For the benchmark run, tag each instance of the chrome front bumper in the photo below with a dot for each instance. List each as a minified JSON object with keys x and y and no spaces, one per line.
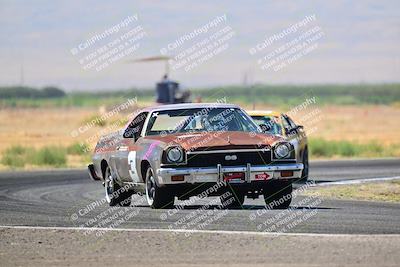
{"x":251,"y":173}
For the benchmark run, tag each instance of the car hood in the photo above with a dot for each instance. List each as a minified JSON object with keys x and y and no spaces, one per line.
{"x":194,"y":141}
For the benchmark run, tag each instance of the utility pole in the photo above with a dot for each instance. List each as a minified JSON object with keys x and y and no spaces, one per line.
{"x":22,"y":74}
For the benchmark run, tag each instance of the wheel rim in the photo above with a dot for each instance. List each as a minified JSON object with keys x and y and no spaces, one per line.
{"x":109,"y":185}
{"x":150,"y":187}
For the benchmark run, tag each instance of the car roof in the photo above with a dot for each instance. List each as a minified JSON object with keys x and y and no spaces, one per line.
{"x":189,"y":106}
{"x":263,"y":113}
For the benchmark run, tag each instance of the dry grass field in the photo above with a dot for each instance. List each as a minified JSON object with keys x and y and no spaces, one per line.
{"x":363,"y":123}
{"x":39,"y":127}
{"x":376,"y":191}
{"x":360,"y":124}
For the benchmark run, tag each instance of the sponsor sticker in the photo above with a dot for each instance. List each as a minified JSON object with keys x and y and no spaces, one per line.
{"x":262,"y":176}
{"x":234,"y":177}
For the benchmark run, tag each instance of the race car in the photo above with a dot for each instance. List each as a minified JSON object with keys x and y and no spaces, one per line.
{"x":183,"y":150}
{"x":281,"y":124}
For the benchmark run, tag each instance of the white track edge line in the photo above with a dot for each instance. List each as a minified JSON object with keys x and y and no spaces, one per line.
{"x":188,"y":231}
{"x":358,"y":181}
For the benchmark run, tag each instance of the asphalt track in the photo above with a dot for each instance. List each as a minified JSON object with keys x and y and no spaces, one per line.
{"x":68,"y":198}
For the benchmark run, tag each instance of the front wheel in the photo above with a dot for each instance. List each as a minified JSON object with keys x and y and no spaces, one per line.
{"x":278,"y":195}
{"x":304,"y":173}
{"x":157,"y":197}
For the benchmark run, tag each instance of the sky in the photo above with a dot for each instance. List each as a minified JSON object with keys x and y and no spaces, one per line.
{"x":355,"y":42}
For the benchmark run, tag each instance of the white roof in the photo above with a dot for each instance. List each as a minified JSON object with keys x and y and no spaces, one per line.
{"x":190,"y":106}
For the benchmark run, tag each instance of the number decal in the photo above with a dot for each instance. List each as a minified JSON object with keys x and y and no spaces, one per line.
{"x":132,"y":165}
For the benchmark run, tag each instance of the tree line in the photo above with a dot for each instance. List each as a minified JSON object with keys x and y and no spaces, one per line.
{"x":29,"y":92}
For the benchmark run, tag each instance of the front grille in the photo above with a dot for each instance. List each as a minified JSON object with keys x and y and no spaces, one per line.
{"x":230,"y":147}
{"x":208,"y":160}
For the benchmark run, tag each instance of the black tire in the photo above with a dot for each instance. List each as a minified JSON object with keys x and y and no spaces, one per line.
{"x":278,"y":195}
{"x":304,"y":173}
{"x":157,"y":197}
{"x":232,"y":199}
{"x":115,"y":195}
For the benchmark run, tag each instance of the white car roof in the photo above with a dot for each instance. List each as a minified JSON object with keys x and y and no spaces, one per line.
{"x":190,"y":106}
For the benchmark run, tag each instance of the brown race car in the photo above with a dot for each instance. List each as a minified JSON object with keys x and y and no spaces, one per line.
{"x":185,"y":149}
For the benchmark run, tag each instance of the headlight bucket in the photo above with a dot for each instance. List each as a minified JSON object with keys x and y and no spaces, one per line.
{"x":282,"y":150}
{"x":174,"y":154}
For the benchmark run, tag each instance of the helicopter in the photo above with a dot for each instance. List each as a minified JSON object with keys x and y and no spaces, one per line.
{"x":167,"y":91}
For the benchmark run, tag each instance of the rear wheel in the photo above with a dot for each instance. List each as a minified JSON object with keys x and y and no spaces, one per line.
{"x":157,"y":197}
{"x":115,"y":195}
{"x":232,"y":199}
{"x":278,"y":195}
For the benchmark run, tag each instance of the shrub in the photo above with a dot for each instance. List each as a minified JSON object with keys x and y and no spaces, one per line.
{"x":347,"y":149}
{"x":319,"y":148}
{"x":19,"y":156}
{"x":78,"y":149}
{"x":51,"y":155}
{"x":324,"y":148}
{"x":14,"y":156}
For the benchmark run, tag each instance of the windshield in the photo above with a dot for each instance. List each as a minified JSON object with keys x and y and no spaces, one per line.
{"x":200,"y":120}
{"x":272,"y":121}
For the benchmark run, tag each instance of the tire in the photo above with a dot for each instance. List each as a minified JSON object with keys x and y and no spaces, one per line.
{"x":278,"y":195}
{"x":115,"y":196}
{"x":157,"y":197}
{"x":232,"y":199}
{"x":304,"y":173}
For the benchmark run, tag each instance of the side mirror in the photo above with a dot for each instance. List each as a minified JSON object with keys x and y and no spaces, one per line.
{"x":294,"y":130}
{"x":265,"y":128}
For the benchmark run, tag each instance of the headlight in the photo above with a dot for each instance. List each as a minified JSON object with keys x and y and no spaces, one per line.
{"x":175,"y":154}
{"x":282,"y":151}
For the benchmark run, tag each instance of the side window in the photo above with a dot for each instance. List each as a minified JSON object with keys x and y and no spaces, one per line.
{"x":135,"y":127}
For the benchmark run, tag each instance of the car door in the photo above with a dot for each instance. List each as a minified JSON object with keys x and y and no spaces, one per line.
{"x":125,"y":159}
{"x":299,"y":132}
{"x":290,"y":127}
{"x":295,"y":134}
{"x":290,"y":133}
